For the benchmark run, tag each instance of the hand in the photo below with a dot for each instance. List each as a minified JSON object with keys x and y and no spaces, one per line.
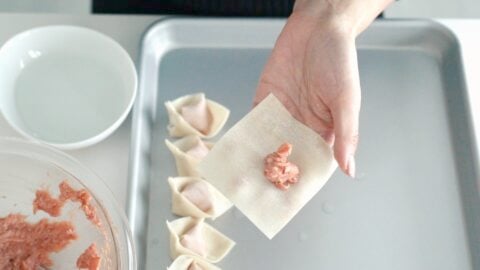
{"x":313,"y":71}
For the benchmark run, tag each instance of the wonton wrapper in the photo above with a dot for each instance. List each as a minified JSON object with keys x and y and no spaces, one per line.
{"x":183,"y":262}
{"x":179,"y":127}
{"x":182,"y":206}
{"x":194,"y":240}
{"x":217,"y":245}
{"x":235,"y":166}
{"x":186,"y":164}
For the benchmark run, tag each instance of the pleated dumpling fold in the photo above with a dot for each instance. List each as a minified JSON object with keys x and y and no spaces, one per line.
{"x":197,"y":115}
{"x":191,"y":236}
{"x":188,"y":152}
{"x":195,"y":197}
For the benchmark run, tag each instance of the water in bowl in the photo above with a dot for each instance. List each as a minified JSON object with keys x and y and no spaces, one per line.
{"x":61,"y":98}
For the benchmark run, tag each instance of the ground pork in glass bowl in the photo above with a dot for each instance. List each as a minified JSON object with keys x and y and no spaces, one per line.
{"x":57,"y":214}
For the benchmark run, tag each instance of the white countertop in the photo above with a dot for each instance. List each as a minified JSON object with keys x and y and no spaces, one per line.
{"x":109,"y":159}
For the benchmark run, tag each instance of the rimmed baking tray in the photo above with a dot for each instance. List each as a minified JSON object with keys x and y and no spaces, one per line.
{"x":415,"y":204}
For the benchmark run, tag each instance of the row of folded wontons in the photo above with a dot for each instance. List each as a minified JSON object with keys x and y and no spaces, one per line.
{"x":194,"y":244}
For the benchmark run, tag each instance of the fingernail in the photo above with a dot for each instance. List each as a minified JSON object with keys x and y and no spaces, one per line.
{"x":351,"y":167}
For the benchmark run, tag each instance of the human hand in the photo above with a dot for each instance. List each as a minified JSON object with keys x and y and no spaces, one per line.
{"x":313,"y":71}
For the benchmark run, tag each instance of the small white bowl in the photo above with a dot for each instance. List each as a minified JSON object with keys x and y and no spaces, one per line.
{"x":67,"y":86}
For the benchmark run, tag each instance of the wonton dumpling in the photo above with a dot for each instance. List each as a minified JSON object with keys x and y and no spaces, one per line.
{"x":194,"y":114}
{"x":195,"y":197}
{"x":200,"y":236}
{"x":197,"y":114}
{"x":185,"y":262}
{"x":198,"y":193}
{"x":188,"y":152}
{"x":194,"y":241}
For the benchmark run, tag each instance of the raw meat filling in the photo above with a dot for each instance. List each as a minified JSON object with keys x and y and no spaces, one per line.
{"x":26,"y":246}
{"x":45,"y":202}
{"x":89,"y":259}
{"x":279,"y":170}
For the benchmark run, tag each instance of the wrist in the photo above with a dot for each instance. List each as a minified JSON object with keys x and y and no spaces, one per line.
{"x":327,"y":16}
{"x":324,"y":19}
{"x":313,"y":8}
{"x":348,"y":16}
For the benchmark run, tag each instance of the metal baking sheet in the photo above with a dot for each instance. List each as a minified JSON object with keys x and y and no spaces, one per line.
{"x":415,"y":204}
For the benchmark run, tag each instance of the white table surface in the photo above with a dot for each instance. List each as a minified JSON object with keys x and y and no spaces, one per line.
{"x":109,"y":159}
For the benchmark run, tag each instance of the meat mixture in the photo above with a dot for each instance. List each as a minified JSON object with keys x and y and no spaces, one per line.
{"x":279,"y":170}
{"x":45,"y":202}
{"x":89,"y":259}
{"x":26,"y":246}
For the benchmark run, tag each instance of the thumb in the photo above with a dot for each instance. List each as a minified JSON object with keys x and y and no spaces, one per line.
{"x":345,"y":118}
{"x":345,"y":109}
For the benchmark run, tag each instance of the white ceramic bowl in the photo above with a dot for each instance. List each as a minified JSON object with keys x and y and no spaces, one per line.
{"x":66,"y":86}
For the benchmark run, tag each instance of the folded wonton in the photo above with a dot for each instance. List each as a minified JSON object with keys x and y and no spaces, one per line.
{"x":188,"y":152}
{"x":185,"y":262}
{"x":190,"y":236}
{"x":195,"y":197}
{"x":194,"y":114}
{"x":236,"y":165}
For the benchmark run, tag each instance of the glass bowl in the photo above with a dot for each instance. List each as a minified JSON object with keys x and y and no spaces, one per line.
{"x":27,"y":167}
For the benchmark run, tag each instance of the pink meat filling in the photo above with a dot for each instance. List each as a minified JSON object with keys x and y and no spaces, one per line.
{"x":27,"y":246}
{"x":198,"y":194}
{"x":279,"y":170}
{"x":45,"y":202}
{"x":197,"y":114}
{"x":194,"y":241}
{"x":89,"y":259}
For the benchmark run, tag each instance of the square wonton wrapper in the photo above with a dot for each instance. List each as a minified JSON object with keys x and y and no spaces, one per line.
{"x":235,"y":165}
